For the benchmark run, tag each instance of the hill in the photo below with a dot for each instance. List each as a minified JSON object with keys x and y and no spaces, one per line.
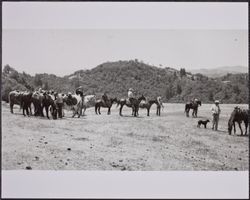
{"x":116,"y":77}
{"x":220,"y":71}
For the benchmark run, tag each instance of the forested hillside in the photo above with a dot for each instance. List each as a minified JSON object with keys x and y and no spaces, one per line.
{"x":116,"y":77}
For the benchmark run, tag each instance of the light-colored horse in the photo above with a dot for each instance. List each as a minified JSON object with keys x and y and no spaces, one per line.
{"x":73,"y":103}
{"x":89,"y":101}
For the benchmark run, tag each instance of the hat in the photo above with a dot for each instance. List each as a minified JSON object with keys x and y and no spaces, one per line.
{"x":130,"y":89}
{"x":195,"y":99}
{"x":216,"y":101}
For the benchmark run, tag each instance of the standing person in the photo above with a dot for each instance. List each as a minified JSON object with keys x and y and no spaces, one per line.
{"x":59,"y":104}
{"x":216,"y":113}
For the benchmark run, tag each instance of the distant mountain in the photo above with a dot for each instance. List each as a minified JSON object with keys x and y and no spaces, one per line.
{"x":116,"y":77}
{"x":220,"y":71}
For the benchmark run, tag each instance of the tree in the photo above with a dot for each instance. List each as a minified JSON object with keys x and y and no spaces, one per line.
{"x":178,"y":89}
{"x":236,"y":89}
{"x":210,"y":96}
{"x":183,"y":72}
{"x":46,"y":86}
{"x":38,"y":80}
{"x":169,"y":91}
{"x":7,"y":69}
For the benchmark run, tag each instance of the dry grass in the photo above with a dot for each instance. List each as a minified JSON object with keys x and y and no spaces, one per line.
{"x":110,"y":142}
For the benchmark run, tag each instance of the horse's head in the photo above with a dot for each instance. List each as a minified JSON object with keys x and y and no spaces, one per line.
{"x":114,"y":100}
{"x":142,"y":97}
{"x":199,"y":102}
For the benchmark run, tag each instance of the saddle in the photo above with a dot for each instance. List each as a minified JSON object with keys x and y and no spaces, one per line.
{"x":106,"y":103}
{"x":71,"y":101}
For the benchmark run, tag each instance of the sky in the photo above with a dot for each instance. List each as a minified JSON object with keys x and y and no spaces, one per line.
{"x":61,"y":38}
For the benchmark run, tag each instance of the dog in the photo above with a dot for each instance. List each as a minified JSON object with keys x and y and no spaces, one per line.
{"x":204,"y":122}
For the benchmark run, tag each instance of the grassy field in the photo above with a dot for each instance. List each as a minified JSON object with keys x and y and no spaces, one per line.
{"x":110,"y":142}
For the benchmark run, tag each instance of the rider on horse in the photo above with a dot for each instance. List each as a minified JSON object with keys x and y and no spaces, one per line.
{"x":105,"y":98}
{"x":79,"y":91}
{"x":131,"y":95}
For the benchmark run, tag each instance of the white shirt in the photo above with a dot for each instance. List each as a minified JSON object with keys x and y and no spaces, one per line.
{"x":215,"y":109}
{"x":130,"y":94}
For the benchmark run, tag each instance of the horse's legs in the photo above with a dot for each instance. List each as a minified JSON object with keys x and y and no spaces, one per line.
{"x":47,"y":111}
{"x":246,"y":126}
{"x":80,"y":112}
{"x":30,"y":109}
{"x":41,"y":110}
{"x":121,"y":110}
{"x":96,"y":109}
{"x":187,"y":112}
{"x":99,"y":110}
{"x":11,"y":107}
{"x":234,"y":128}
{"x":136,"y":111}
{"x":148,"y":111}
{"x":24,"y":111}
{"x":27,"y":110}
{"x":239,"y":123}
{"x":158,"y":109}
{"x":84,"y":109}
{"x":74,"y":113}
{"x":109,"y":111}
{"x":194,"y":113}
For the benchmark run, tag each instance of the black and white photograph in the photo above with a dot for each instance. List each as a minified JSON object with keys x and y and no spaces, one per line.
{"x":148,"y":93}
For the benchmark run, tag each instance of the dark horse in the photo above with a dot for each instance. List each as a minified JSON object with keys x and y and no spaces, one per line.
{"x":193,"y":105}
{"x":238,"y":115}
{"x":26,"y":102}
{"x":49,"y":102}
{"x":147,"y":105}
{"x":20,"y":98}
{"x":134,"y":104}
{"x":108,"y":104}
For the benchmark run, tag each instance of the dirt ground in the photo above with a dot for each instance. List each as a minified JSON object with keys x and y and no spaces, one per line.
{"x":111,"y":142}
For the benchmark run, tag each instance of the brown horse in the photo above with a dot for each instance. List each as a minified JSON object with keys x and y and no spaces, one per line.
{"x":20,"y":98}
{"x":238,"y":115}
{"x":108,"y":104}
{"x":26,"y":103}
{"x":147,"y":104}
{"x":193,"y":105}
{"x":134,"y":104}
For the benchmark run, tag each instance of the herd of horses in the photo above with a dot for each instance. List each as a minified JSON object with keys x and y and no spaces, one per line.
{"x":55,"y":104}
{"x":51,"y":103}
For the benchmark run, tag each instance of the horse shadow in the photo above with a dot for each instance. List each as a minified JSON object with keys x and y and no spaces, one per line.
{"x":130,"y":116}
{"x":221,"y":131}
{"x":247,"y":135}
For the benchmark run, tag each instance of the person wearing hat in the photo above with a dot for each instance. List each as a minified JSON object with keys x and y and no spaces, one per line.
{"x":59,"y":104}
{"x":79,"y":91}
{"x":131,"y":94}
{"x":105,"y":97}
{"x":216,"y":113}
